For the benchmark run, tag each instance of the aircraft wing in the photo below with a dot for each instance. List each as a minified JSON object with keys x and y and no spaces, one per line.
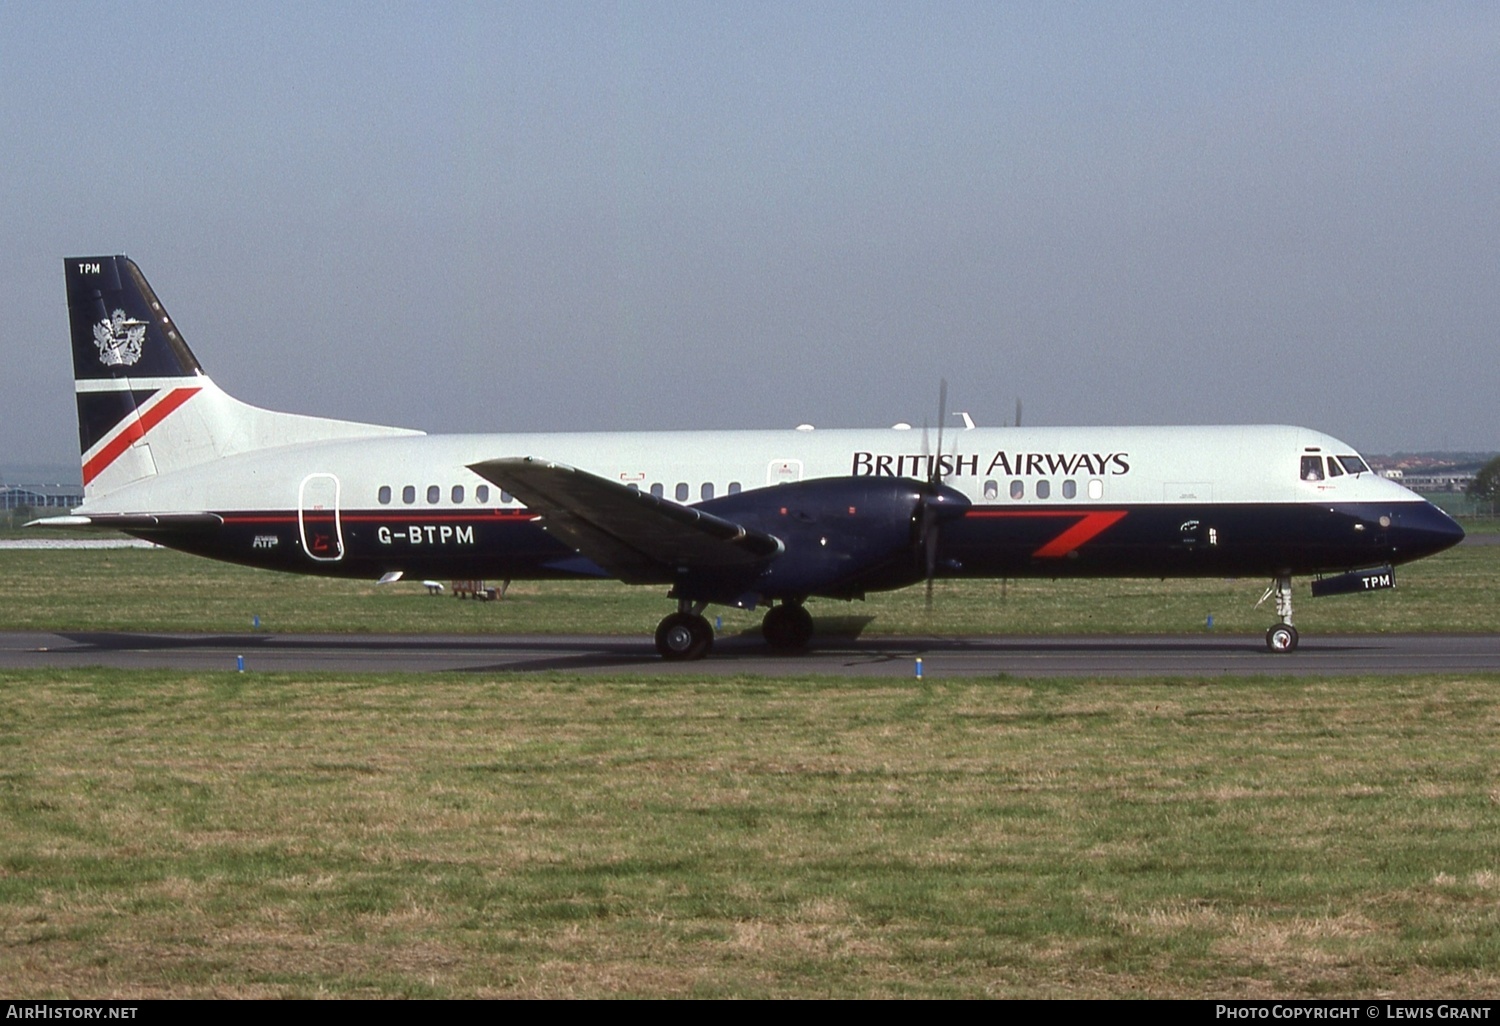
{"x":633,"y":535}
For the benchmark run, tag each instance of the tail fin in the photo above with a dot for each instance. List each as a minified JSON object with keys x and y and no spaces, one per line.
{"x":120,"y":328}
{"x":145,"y":406}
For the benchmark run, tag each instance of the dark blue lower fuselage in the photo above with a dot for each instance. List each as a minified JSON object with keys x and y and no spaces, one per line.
{"x":1071,"y":540}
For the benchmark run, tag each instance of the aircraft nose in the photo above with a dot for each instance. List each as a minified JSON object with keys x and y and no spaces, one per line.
{"x":1422,"y":530}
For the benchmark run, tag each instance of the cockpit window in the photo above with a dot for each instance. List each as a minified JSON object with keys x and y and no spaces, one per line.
{"x":1312,"y":468}
{"x":1353,"y":464}
{"x":1334,"y":470}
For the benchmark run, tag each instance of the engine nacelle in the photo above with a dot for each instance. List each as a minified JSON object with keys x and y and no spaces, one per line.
{"x":842,"y":536}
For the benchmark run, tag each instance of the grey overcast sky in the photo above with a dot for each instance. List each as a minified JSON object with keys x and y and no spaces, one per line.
{"x":557,"y":215}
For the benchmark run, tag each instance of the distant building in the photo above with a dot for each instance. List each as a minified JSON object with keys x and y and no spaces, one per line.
{"x":40,"y":496}
{"x":1449,"y":481}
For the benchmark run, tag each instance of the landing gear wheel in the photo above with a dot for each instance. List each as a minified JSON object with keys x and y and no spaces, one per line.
{"x":684,"y":636}
{"x":787,"y":628}
{"x":1282,"y":638}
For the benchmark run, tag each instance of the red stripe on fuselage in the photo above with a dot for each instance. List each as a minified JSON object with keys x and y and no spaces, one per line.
{"x":135,"y":430}
{"x":1090,"y":525}
{"x":397,"y":517}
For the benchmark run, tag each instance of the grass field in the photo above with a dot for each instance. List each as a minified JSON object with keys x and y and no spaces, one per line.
{"x":248,"y":836}
{"x":451,"y":836}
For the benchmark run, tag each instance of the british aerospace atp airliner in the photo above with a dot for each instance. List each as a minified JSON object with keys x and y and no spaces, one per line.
{"x":735,"y":518}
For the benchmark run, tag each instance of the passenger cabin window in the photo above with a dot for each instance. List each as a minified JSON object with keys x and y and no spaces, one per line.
{"x":707,"y":491}
{"x":385,"y":495}
{"x":458,"y":493}
{"x":506,"y":496}
{"x":681,"y":491}
{"x":1018,"y":490}
{"x":992,"y":490}
{"x":734,"y":488}
{"x":482,"y":494}
{"x":1044,"y":489}
{"x":1096,"y":489}
{"x":434,"y":495}
{"x":1070,"y":489}
{"x":1312,"y":468}
{"x":409,"y":494}
{"x":657,"y":491}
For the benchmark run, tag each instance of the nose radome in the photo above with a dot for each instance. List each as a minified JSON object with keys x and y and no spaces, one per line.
{"x":1422,"y":531}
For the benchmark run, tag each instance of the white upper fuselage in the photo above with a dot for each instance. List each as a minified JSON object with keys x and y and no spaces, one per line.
{"x":1117,"y":465}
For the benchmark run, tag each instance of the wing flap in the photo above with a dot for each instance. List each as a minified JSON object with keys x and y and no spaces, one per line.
{"x":635,"y":536}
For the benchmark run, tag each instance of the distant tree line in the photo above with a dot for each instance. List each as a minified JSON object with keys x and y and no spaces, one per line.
{"x":1485,"y":488}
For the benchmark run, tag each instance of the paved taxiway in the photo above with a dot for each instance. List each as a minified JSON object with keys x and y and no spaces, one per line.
{"x":1093,"y":656}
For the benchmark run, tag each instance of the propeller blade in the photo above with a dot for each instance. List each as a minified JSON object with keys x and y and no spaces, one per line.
{"x":932,"y":544}
{"x":937,"y":501}
{"x":935,"y":475}
{"x":929,"y":520}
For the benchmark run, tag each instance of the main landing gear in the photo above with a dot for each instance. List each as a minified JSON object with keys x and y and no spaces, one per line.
{"x":787,"y":627}
{"x":1282,"y":636}
{"x":685,"y":634}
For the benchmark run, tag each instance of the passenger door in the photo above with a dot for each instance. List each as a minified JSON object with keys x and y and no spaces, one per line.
{"x":318,"y":521}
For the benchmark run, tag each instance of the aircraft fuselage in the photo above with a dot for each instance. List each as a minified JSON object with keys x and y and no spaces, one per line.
{"x":1133,"y":502}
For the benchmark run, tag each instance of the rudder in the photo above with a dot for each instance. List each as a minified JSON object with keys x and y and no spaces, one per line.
{"x":120,"y":328}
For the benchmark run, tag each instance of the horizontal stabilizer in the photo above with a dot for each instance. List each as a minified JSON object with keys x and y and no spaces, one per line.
{"x":635,"y":536}
{"x":175,"y":522}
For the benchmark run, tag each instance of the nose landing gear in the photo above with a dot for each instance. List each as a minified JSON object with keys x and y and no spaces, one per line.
{"x":1281,"y":637}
